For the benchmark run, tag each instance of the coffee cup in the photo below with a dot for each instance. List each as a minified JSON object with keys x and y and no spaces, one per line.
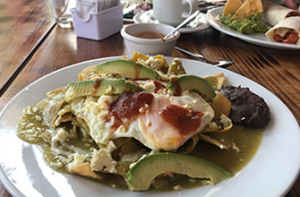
{"x":173,"y":12}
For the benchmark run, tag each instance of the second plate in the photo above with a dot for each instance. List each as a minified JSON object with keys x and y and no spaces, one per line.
{"x":198,"y":24}
{"x":257,"y":38}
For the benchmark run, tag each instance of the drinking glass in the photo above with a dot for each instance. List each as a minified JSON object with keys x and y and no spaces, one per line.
{"x":61,"y":12}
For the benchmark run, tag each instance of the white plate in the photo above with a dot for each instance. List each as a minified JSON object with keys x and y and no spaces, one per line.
{"x":200,"y":21}
{"x":260,"y":39}
{"x":128,"y":20}
{"x":271,"y":172}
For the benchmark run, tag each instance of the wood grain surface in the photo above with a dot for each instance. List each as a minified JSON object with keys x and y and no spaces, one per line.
{"x":23,"y":24}
{"x":276,"y":70}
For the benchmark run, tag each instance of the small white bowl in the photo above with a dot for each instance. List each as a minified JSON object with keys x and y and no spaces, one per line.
{"x":149,"y":46}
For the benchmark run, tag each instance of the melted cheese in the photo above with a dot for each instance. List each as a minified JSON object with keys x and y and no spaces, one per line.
{"x":282,"y":31}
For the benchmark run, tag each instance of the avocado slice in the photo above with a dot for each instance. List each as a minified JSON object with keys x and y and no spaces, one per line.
{"x":128,"y":69}
{"x":145,"y":170}
{"x":184,"y":82}
{"x":99,"y":87}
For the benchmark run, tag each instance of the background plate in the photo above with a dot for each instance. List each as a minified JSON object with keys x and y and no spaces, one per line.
{"x":271,"y":172}
{"x":199,"y":23}
{"x":260,"y":39}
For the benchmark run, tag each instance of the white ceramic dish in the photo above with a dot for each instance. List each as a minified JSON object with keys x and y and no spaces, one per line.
{"x":149,"y":46}
{"x":129,"y":6}
{"x":271,"y":172}
{"x":200,"y":23}
{"x":130,"y":20}
{"x":257,"y":38}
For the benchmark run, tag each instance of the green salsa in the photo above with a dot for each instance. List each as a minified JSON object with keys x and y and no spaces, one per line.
{"x":247,"y":26}
{"x":31,"y":129}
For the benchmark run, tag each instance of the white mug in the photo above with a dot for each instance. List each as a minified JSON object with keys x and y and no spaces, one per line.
{"x":173,"y":12}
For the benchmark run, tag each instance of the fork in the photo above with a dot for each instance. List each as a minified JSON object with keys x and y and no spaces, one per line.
{"x":205,"y":5}
{"x":222,"y":63}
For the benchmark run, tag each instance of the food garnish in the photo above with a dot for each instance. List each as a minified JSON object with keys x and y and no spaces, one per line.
{"x":249,"y":8}
{"x":184,"y":82}
{"x":146,"y":169}
{"x":141,"y":114}
{"x":232,"y":6}
{"x":99,"y":87}
{"x":127,"y":69}
{"x":245,"y":19}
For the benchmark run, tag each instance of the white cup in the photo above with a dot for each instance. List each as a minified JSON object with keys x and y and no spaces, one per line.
{"x":173,"y":12}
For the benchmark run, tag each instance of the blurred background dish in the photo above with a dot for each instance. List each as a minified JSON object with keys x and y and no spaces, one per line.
{"x":173,"y":12}
{"x":259,"y":39}
{"x":133,"y":7}
{"x":198,"y":24}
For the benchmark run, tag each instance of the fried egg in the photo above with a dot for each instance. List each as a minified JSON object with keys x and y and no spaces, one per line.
{"x":166,"y":124}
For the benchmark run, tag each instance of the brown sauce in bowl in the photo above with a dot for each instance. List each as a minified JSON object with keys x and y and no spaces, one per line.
{"x":149,"y":35}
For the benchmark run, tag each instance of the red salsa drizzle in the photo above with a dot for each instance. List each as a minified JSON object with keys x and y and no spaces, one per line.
{"x":177,"y":88}
{"x":185,"y":120}
{"x":158,"y":85}
{"x":96,"y":85}
{"x":133,"y":81}
{"x":128,"y":106}
{"x":137,"y":69}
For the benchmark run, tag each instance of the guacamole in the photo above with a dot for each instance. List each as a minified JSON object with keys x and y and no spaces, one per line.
{"x":247,"y":26}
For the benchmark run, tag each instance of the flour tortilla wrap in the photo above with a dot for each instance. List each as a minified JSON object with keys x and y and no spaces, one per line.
{"x":274,"y":13}
{"x":291,"y":23}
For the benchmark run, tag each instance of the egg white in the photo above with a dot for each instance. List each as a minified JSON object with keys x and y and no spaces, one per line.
{"x":148,"y":127}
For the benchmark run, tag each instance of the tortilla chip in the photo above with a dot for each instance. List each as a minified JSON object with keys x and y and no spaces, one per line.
{"x":57,"y":91}
{"x":232,"y":6}
{"x":249,"y":8}
{"x":85,"y":170}
{"x":137,"y":56}
{"x":221,"y":79}
{"x":86,"y":73}
{"x":216,"y":80}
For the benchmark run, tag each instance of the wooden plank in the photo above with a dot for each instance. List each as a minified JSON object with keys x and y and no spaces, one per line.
{"x":62,"y":48}
{"x":22,"y":25}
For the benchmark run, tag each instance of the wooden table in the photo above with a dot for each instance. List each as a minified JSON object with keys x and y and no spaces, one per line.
{"x":33,"y":46}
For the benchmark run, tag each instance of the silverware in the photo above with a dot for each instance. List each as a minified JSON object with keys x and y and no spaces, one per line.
{"x":207,"y":8}
{"x":205,"y":5}
{"x":197,"y":21}
{"x":188,"y":19}
{"x":223,"y":63}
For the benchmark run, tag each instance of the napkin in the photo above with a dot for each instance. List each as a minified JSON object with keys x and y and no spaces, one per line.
{"x":86,"y":7}
{"x":105,"y":4}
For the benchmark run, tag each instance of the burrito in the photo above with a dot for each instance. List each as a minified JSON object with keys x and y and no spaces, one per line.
{"x":274,"y":13}
{"x":286,"y":31}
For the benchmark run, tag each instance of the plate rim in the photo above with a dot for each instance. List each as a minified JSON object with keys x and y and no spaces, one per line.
{"x":11,"y":190}
{"x":246,"y":38}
